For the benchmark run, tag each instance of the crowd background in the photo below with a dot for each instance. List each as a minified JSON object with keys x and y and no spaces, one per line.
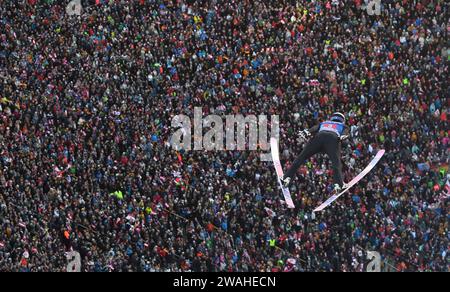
{"x":86,"y":104}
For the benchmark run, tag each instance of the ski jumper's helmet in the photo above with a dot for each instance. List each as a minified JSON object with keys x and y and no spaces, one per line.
{"x":338,"y":117}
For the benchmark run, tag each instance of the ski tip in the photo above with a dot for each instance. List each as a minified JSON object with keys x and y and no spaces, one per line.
{"x":289,"y":204}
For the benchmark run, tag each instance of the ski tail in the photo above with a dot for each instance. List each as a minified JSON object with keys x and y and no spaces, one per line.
{"x":279,"y":171}
{"x":354,"y":181}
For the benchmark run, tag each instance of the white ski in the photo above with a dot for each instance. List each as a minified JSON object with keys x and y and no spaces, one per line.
{"x":352,"y":182}
{"x":279,"y":170}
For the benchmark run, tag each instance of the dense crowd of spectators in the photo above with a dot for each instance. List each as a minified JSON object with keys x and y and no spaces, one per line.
{"x":86,"y":104}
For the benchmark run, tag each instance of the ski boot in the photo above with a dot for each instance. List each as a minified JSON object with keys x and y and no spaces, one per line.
{"x":338,"y":188}
{"x":286,"y":181}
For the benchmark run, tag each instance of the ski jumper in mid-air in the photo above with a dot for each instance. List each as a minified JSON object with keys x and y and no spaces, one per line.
{"x":327,"y":139}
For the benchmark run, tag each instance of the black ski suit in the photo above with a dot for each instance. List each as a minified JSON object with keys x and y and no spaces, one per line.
{"x":323,"y":142}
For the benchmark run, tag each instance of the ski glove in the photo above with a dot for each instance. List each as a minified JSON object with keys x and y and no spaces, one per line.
{"x":344,"y":137}
{"x":304,"y":135}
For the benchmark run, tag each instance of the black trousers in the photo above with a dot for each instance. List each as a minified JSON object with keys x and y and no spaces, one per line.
{"x":323,"y":142}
